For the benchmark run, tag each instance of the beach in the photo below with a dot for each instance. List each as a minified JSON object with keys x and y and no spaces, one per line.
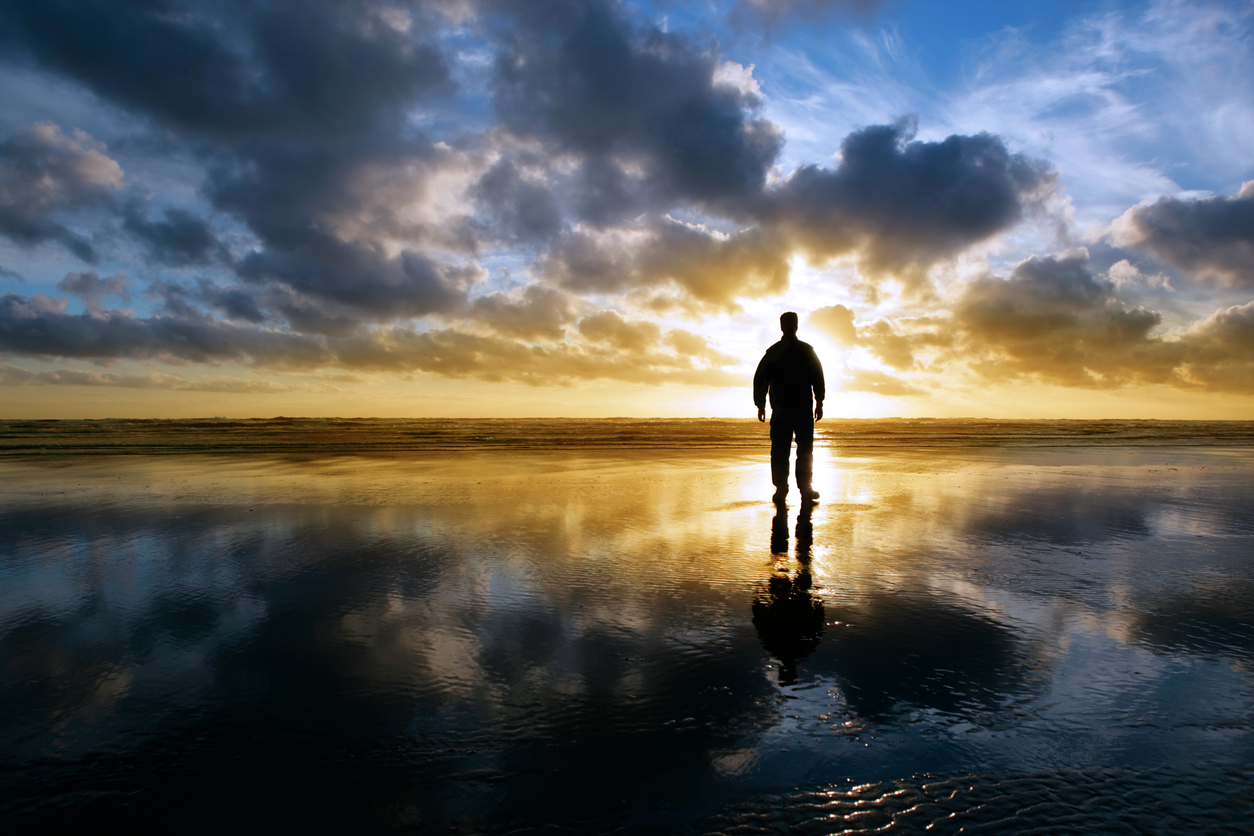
{"x":523,"y":630}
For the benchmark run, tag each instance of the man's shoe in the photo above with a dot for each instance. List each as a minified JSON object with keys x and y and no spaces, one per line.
{"x":780,"y":495}
{"x":809,"y":494}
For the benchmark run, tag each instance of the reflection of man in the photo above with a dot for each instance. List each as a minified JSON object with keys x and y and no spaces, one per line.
{"x":788,"y":616}
{"x":790,"y":371}
{"x":789,"y":620}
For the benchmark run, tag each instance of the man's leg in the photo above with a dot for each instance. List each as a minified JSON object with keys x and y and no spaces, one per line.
{"x":805,"y":454}
{"x":781,"y":444}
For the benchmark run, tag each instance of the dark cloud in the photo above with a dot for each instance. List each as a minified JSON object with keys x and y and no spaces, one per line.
{"x":233,"y":301}
{"x":11,"y":375}
{"x":180,"y":239}
{"x":1211,"y":238}
{"x":301,"y":109}
{"x":39,"y":327}
{"x":363,"y":275}
{"x":334,"y":225}
{"x":900,"y":205}
{"x":45,"y":173}
{"x":235,"y":71}
{"x":90,"y":287}
{"x":523,"y":209}
{"x":258,"y":304}
{"x":644,"y":110}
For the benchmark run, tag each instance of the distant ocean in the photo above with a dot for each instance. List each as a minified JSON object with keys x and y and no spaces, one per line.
{"x":379,"y":436}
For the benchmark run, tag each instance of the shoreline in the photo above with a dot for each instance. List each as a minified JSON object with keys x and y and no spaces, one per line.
{"x":318,"y":438}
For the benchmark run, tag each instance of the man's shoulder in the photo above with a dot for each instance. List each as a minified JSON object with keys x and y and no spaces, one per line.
{"x":805,"y":348}
{"x":774,"y":352}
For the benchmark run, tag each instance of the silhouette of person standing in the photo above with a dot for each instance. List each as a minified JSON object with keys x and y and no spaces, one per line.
{"x":790,"y":371}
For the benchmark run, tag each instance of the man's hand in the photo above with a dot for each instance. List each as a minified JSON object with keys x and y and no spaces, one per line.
{"x":818,"y":411}
{"x":762,"y":414}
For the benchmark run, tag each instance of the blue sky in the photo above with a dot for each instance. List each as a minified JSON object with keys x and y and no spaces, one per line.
{"x":484,"y":207}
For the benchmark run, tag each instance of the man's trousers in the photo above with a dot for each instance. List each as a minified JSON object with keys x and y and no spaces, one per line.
{"x":785,"y":425}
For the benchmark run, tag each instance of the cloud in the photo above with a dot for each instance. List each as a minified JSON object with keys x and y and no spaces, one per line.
{"x":1054,"y":320}
{"x":1210,"y":238}
{"x":44,"y":173}
{"x":299,"y":110}
{"x":837,"y":322}
{"x":878,"y":383}
{"x":534,"y":312}
{"x":627,"y":161}
{"x":91,"y":287}
{"x":11,"y":375}
{"x":613,"y":349}
{"x":1221,"y":350}
{"x":887,"y":345}
{"x":234,"y":72}
{"x":892,"y":342}
{"x":39,"y":327}
{"x":900,"y":205}
{"x":647,"y":113}
{"x":453,"y":353}
{"x":710,"y":269}
{"x":182,"y":238}
{"x":363,"y":275}
{"x":610,"y":329}
{"x":523,"y":208}
{"x":506,"y":190}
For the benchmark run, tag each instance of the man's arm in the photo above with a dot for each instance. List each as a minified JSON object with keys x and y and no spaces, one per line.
{"x":761,"y":383}
{"x":820,"y":388}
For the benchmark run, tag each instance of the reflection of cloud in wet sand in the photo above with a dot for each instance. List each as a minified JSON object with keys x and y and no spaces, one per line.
{"x":1065,"y":514}
{"x":1203,"y":622}
{"x":407,"y":649}
{"x":481,"y":641}
{"x":895,"y":650}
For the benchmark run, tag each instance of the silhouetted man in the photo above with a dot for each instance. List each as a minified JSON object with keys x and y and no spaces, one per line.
{"x":790,"y":371}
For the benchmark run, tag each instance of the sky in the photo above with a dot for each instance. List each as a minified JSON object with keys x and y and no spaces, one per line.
{"x":589,"y":208}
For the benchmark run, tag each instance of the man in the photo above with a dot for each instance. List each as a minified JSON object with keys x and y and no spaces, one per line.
{"x":790,"y":371}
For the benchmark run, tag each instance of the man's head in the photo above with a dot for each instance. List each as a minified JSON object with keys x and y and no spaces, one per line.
{"x":788,"y":323}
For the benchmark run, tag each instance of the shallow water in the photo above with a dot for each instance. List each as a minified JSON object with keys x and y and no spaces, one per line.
{"x":1002,"y":641}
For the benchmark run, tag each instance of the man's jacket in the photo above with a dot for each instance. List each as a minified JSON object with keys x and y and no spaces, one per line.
{"x":789,"y":371}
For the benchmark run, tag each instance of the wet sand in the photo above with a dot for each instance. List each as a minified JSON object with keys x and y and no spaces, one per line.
{"x":631,"y":641}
